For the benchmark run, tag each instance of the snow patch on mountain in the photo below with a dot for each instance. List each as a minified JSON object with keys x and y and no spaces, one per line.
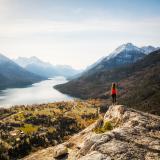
{"x":131,"y":47}
{"x":125,"y":47}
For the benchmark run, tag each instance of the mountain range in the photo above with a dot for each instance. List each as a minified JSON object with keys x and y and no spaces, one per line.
{"x":25,"y":71}
{"x":124,"y":54}
{"x":136,"y":71}
{"x":45,"y":69}
{"x":12,"y":75}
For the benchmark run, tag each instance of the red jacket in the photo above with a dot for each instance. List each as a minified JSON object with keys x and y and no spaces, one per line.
{"x":113,"y":91}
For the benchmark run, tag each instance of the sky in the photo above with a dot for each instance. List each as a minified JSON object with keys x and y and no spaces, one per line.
{"x":76,"y":32}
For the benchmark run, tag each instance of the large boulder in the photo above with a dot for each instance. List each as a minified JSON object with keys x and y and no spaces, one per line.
{"x":60,"y":151}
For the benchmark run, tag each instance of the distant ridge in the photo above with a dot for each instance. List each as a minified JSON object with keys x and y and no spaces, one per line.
{"x":45,"y":69}
{"x":12,"y":75}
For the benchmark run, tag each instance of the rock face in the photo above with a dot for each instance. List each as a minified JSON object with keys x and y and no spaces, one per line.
{"x":135,"y":136}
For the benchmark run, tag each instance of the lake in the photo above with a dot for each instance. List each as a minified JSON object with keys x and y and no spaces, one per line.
{"x":42,"y":92}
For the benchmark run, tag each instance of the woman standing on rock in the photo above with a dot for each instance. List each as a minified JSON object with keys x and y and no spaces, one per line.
{"x":113,"y":93}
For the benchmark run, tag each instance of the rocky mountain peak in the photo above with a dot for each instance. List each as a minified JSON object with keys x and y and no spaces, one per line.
{"x":124,"y":48}
{"x":128,"y":46}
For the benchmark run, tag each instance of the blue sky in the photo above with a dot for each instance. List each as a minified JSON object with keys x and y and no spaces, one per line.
{"x":76,"y":32}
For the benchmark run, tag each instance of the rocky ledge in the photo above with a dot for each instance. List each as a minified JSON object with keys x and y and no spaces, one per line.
{"x":123,"y":134}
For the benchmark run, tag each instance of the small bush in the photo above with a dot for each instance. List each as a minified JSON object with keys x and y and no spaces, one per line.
{"x":106,"y":127}
{"x":29,"y":128}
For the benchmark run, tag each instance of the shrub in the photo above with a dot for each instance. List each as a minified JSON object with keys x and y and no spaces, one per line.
{"x":106,"y":127}
{"x":28,"y":128}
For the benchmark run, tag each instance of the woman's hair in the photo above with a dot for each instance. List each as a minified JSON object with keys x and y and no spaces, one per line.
{"x":113,"y":85}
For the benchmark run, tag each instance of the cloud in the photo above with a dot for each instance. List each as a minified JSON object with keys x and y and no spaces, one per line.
{"x":68,"y":31}
{"x":31,"y":26}
{"x":78,"y":10}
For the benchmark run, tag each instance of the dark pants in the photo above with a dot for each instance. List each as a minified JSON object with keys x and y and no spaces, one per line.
{"x":113,"y":98}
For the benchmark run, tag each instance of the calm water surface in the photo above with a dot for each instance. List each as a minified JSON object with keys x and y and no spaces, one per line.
{"x":42,"y":92}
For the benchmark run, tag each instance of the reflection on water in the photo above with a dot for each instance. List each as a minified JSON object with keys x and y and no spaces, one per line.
{"x":42,"y":92}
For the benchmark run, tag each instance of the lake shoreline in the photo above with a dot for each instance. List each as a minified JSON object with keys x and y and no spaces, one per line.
{"x":35,"y":94}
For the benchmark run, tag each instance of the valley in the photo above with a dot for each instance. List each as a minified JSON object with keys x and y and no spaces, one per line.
{"x":79,"y":79}
{"x":26,"y":129}
{"x":46,"y":112}
{"x":24,"y":72}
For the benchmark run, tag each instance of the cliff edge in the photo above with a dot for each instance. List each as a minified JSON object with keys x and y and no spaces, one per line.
{"x":123,"y":134}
